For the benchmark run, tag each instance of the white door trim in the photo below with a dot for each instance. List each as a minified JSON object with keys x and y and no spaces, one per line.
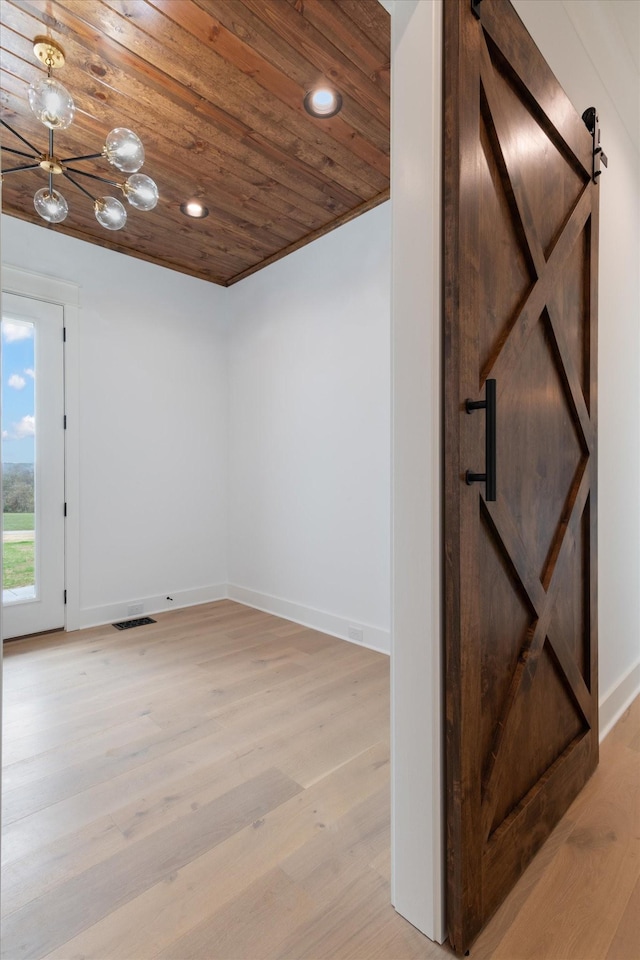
{"x":27,"y":284}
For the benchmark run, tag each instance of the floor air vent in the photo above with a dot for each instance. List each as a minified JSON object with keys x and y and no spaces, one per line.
{"x":127,"y":624}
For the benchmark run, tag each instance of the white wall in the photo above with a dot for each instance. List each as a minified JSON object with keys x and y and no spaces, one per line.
{"x":309,"y":459}
{"x":305,"y":373}
{"x":585,"y":47}
{"x":152,"y":401}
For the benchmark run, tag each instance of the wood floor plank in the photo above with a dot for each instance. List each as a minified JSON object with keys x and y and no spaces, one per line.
{"x":193,"y":747}
{"x":22,"y":772}
{"x":343,"y":925}
{"x":600,"y":855}
{"x":94,"y":704}
{"x":334,"y":741}
{"x":335,"y":857}
{"x":101,"y":768}
{"x":250,"y":925}
{"x":73,"y":906}
{"x":32,"y":877}
{"x":186,"y":791}
{"x":625,"y":944}
{"x":216,"y":785}
{"x":307,"y":697}
{"x":153,"y":921}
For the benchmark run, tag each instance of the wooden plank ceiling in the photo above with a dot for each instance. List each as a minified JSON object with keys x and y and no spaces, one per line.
{"x":214,"y":89}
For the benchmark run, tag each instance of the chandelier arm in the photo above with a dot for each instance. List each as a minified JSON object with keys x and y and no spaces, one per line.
{"x":94,"y":176}
{"x":20,"y":137}
{"x":88,"y":156}
{"x":25,"y":166}
{"x":21,"y":153}
{"x":79,"y":186}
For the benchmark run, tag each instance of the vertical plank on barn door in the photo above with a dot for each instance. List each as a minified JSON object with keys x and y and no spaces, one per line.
{"x":520,"y":275}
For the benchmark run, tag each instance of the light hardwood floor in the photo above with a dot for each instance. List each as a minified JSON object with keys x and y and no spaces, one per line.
{"x":216,"y":785}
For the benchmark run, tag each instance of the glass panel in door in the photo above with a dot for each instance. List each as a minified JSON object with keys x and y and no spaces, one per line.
{"x":18,"y":456}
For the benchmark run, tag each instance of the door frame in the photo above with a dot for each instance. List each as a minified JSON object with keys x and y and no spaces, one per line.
{"x":65,"y":294}
{"x":417,"y":756}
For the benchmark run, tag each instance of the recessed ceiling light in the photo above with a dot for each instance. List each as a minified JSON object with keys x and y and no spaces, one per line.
{"x":195,"y":209}
{"x":323,"y":102}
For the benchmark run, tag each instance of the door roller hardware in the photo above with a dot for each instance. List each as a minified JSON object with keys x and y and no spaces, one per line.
{"x":590,"y":119}
{"x":489,"y":406}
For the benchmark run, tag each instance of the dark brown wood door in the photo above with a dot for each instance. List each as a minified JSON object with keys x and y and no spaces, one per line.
{"x":521,"y":227}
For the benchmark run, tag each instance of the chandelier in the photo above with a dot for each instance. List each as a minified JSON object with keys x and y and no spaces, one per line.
{"x":53,"y":105}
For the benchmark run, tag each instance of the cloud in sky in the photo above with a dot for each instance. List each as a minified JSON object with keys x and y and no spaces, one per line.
{"x":30,"y":373}
{"x":24,"y":428}
{"x":13,"y":330}
{"x":16,"y":381}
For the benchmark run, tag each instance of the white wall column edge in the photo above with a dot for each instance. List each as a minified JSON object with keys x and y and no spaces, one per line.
{"x":416,"y":647}
{"x":53,"y":290}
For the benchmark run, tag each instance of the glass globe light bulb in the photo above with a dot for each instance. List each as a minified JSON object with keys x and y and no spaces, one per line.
{"x":52,"y":103}
{"x":51,"y":206}
{"x":141,"y":191}
{"x":124,"y":150}
{"x":110,"y":213}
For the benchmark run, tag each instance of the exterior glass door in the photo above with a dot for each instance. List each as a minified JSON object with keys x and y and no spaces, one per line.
{"x":33,"y":465}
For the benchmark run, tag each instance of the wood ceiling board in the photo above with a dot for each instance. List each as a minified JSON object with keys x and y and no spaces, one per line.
{"x":349,"y":201}
{"x":221,"y":83}
{"x":214,"y":89}
{"x":307,"y":209}
{"x":285,"y":82}
{"x":129,"y":49}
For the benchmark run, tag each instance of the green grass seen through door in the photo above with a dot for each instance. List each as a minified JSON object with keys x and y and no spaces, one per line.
{"x":17,"y":521}
{"x":17,"y":564}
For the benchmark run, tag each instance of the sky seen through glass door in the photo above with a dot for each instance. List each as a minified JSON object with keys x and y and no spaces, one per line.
{"x":18,"y":392}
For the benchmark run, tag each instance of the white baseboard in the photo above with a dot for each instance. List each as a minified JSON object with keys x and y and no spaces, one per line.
{"x":372,"y":637}
{"x":96,"y":616}
{"x":618,"y":698}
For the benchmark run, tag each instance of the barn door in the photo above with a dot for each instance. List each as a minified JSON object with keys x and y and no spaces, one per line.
{"x":521,"y":227}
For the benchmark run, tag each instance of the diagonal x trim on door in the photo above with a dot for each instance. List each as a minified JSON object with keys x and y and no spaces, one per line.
{"x":542,"y":603}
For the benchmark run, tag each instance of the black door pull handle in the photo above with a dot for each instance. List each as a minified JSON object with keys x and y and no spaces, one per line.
{"x":489,"y":405}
